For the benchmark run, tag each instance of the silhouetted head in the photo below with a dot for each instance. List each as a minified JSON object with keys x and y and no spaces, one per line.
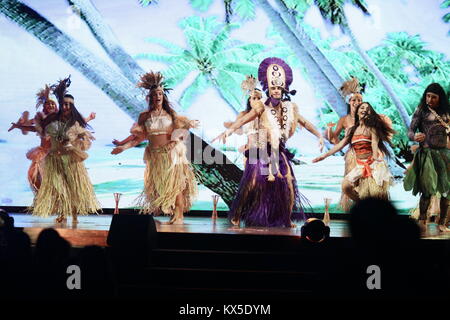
{"x":315,"y":230}
{"x":51,"y":248}
{"x":372,"y":221}
{"x":6,"y":221}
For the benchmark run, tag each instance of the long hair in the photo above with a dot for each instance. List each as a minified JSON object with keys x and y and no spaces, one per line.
{"x":374,"y":121}
{"x":60,"y":91}
{"x":165,"y":105}
{"x":249,"y":106}
{"x":436,"y":88}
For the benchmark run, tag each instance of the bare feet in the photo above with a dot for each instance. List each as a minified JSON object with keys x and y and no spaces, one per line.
{"x":443,"y":228}
{"x":235,"y":222}
{"x":61,"y":219}
{"x":176,"y":219}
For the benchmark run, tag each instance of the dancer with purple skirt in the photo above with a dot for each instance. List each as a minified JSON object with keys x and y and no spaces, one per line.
{"x":268,"y":190}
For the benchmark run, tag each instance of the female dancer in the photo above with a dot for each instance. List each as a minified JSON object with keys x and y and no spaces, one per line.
{"x":66,"y":188}
{"x":250,"y":129}
{"x":169,"y":182}
{"x":351,"y":91}
{"x":430,"y":171}
{"x":370,"y":177}
{"x":268,"y":189}
{"x":37,"y":154}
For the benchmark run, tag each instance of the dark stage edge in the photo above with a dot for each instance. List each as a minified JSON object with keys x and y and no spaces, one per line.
{"x":93,"y":229}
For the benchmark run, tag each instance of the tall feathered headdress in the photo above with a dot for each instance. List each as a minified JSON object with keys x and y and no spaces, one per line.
{"x":351,"y":87}
{"x":274,"y":72}
{"x":249,"y":84}
{"x":60,"y":89}
{"x":153,"y":80}
{"x":43,"y":96}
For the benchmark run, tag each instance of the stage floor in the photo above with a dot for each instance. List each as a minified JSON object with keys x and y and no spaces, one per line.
{"x":93,"y":229}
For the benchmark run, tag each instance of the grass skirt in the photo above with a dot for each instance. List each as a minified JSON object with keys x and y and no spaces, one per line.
{"x":262,"y":202}
{"x":65,"y":189}
{"x":168,"y":173}
{"x":376,"y":185}
{"x":349,"y":158}
{"x":429,"y":173}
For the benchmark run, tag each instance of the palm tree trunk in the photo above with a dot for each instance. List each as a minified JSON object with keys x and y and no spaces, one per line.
{"x":221,"y":179}
{"x":379,"y":75}
{"x":309,"y":45}
{"x":221,"y":176}
{"x":114,"y":84}
{"x":106,"y":37}
{"x":318,"y":77}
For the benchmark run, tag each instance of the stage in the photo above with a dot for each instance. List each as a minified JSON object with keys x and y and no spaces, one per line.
{"x":93,"y":229}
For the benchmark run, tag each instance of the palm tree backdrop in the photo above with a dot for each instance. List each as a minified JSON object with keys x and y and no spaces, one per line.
{"x":217,"y":60}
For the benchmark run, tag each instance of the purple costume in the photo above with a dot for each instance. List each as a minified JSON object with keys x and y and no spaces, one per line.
{"x":268,"y":191}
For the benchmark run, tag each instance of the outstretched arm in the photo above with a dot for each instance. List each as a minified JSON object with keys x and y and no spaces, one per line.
{"x":336,"y":148}
{"x":311,"y":128}
{"x":136,"y":137}
{"x":228,"y":124}
{"x":250,"y":116}
{"x":334,"y":135}
{"x":90,"y":117}
{"x":24,"y":128}
{"x":133,"y":141}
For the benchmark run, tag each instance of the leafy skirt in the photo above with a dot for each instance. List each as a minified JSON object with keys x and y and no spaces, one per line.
{"x":350,"y":163}
{"x":168,"y":173}
{"x":370,"y":178}
{"x":267,"y":191}
{"x":66,"y":188}
{"x":429,"y":173}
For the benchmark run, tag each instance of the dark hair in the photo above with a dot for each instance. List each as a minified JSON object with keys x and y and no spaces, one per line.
{"x":436,"y":88}
{"x":75,"y":116}
{"x":374,"y":121}
{"x":285,"y":95}
{"x":249,"y":107}
{"x":165,"y":105}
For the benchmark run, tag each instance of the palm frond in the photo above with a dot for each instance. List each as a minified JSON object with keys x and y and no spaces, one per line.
{"x":146,"y":3}
{"x":201,"y":5}
{"x":242,"y":68}
{"x":198,"y":86}
{"x":222,"y":37}
{"x":178,"y":71}
{"x":245,"y":9}
{"x":166,"y":44}
{"x":156,"y":57}
{"x":229,"y":86}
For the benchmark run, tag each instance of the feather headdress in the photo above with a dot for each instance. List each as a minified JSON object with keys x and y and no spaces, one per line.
{"x":43,"y":96}
{"x":60,"y":89}
{"x":351,"y":87}
{"x":249,"y":84}
{"x":275,"y":72}
{"x":152,"y":80}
